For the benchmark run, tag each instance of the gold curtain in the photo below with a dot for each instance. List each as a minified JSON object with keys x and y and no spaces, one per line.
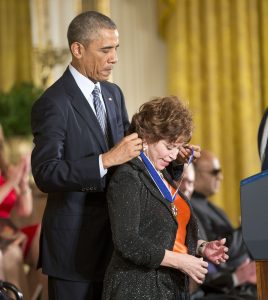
{"x":103,"y":6}
{"x":217,"y":60}
{"x":15,"y":41}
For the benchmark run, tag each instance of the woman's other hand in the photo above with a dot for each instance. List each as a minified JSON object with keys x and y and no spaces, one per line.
{"x":215,"y":251}
{"x":195,"y":267}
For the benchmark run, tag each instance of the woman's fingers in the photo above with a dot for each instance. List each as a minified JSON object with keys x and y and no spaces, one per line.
{"x":200,"y":275}
{"x":200,"y":271}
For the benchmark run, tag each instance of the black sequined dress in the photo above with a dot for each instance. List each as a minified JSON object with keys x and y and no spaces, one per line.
{"x":143,"y":226}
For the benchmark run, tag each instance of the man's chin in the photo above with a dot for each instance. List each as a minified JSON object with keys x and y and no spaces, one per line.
{"x":104,"y":78}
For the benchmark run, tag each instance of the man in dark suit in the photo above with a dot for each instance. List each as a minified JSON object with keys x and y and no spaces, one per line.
{"x":262,"y":141}
{"x":237,"y":277}
{"x":79,"y":125}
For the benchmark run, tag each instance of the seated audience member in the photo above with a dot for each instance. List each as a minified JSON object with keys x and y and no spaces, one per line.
{"x":262,"y":140}
{"x":18,"y":246}
{"x":3,"y":159}
{"x":222,"y":281}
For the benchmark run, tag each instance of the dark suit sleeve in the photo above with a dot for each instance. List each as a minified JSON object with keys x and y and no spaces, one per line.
{"x":264,"y":165}
{"x":124,"y":114}
{"x":124,"y":195}
{"x":51,"y":170}
{"x":219,"y":282}
{"x":261,"y":128}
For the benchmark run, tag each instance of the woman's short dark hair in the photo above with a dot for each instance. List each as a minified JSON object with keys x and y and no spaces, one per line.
{"x":163,"y":119}
{"x":84,"y":27}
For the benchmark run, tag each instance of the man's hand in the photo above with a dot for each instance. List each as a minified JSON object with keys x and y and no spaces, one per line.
{"x":246,"y":273}
{"x":185,"y":153}
{"x":128,"y":148}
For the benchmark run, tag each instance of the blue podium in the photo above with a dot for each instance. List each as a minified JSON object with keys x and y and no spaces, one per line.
{"x":254,"y":220}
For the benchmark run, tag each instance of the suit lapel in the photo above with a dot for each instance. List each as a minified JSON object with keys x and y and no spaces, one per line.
{"x":81,"y":105}
{"x":111,"y":114}
{"x":154,"y":190}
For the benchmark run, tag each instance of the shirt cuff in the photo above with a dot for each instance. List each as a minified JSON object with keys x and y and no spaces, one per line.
{"x":235,"y":280}
{"x":102,"y":170}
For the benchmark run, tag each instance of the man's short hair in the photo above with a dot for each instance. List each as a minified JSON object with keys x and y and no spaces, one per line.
{"x":84,"y":27}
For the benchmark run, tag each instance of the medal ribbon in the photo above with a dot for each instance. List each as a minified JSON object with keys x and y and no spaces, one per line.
{"x":164,"y":190}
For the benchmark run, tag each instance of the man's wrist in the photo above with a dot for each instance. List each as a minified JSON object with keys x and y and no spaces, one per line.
{"x":105,"y":161}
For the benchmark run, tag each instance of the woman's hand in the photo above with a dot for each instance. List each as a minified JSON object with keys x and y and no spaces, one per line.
{"x":215,"y":251}
{"x":26,"y":166}
{"x":24,"y":203}
{"x":195,"y":267}
{"x":14,"y":174}
{"x":186,"y":151}
{"x":20,"y":240}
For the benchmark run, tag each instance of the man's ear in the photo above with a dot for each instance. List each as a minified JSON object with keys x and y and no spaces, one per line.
{"x":77,"y":50}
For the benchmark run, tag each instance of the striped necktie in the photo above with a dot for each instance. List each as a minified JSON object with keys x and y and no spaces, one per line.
{"x":100,"y":112}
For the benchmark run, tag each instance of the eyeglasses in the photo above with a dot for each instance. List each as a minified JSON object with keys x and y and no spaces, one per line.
{"x":213,"y":172}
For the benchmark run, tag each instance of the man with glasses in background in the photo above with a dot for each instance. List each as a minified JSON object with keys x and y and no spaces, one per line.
{"x":215,"y":225}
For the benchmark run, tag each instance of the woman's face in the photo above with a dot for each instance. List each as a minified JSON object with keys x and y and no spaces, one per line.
{"x":161,"y":153}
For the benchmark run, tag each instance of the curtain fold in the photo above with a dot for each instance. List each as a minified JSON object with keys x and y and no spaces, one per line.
{"x":263,"y":9}
{"x":102,"y":6}
{"x":15,"y":41}
{"x":217,"y":61}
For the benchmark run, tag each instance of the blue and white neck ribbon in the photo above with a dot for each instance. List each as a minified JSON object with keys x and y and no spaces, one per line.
{"x":161,"y":185}
{"x":186,"y":167}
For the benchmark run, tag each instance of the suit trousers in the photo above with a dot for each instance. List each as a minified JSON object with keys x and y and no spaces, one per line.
{"x":59,"y":289}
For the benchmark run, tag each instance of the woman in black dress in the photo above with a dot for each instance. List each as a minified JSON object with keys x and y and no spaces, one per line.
{"x":143,"y":216}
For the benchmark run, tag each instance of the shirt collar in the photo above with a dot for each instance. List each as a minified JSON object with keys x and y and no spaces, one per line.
{"x":85,"y":84}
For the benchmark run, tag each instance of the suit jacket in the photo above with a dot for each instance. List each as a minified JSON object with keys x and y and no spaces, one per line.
{"x":216,"y":225}
{"x":263,"y":156}
{"x":143,"y":226}
{"x":76,"y":240}
{"x":219,"y":277}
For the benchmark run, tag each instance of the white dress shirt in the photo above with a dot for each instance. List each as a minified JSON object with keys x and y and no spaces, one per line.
{"x":87,"y":86}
